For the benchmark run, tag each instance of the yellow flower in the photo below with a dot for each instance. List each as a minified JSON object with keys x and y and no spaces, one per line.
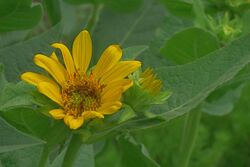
{"x":149,"y":82}
{"x":83,"y":95}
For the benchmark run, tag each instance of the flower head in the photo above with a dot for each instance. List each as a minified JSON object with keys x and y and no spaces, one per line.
{"x":149,"y":82}
{"x":83,"y":94}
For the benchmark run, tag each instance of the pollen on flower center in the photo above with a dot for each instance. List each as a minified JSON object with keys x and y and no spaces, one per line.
{"x":81,"y":93}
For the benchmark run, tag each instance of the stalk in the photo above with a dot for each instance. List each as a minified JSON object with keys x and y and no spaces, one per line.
{"x":73,"y":148}
{"x":190,"y":129}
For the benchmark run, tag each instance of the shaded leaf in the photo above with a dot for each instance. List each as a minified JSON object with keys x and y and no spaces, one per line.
{"x":12,"y":139}
{"x":18,"y":15}
{"x":19,"y":57}
{"x":223,"y":104}
{"x":188,"y":45}
{"x":133,"y":52}
{"x":134,"y":154}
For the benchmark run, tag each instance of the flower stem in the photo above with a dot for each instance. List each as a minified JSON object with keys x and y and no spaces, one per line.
{"x":73,"y":148}
{"x":44,"y":157}
{"x":190,"y":129}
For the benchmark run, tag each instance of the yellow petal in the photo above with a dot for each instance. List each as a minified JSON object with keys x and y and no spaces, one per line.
{"x":82,"y":51}
{"x":75,"y":123}
{"x":35,"y":79}
{"x":57,"y":113}
{"x":53,"y":67}
{"x":68,"y":61}
{"x":122,"y":83}
{"x":54,"y":57}
{"x":120,"y":70}
{"x":91,"y":114}
{"x":110,"y":108}
{"x":109,"y":58}
{"x":67,"y":119}
{"x":111,"y":94}
{"x":50,"y":91}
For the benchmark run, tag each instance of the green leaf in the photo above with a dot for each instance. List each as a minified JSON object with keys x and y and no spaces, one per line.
{"x":79,"y":154}
{"x":12,"y":139}
{"x":122,"y":5}
{"x":246,"y":23}
{"x":53,"y":10}
{"x":58,"y":161}
{"x":77,"y":2}
{"x":136,"y":28}
{"x":3,"y":81}
{"x":189,"y":45}
{"x":28,"y":157}
{"x":52,"y":131}
{"x":201,"y":17}
{"x":210,"y":72}
{"x":18,"y":15}
{"x":188,"y":91}
{"x":19,"y":57}
{"x":134,"y":154}
{"x":12,"y":37}
{"x":179,"y":8}
{"x":15,"y":96}
{"x":171,"y":25}
{"x":133,"y":52}
{"x":223,"y":104}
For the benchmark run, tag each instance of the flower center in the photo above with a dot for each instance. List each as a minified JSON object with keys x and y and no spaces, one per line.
{"x":81,"y":93}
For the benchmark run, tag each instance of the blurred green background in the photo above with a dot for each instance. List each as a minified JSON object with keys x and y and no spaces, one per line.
{"x":223,"y":138}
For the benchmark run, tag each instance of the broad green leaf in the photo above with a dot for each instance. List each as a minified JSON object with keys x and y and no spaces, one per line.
{"x":17,"y":95}
{"x":10,"y":38}
{"x":171,"y":25}
{"x":58,"y":161}
{"x":200,"y":15}
{"x":3,"y":81}
{"x":18,"y":15}
{"x":134,"y":154}
{"x":19,"y":57}
{"x":245,"y":21}
{"x":77,"y":2}
{"x":79,"y":154}
{"x":133,"y":52}
{"x":188,"y":45}
{"x":135,"y":28}
{"x":223,"y":104}
{"x":52,"y":131}
{"x":122,"y":5}
{"x":53,"y":10}
{"x":28,"y":157}
{"x":118,"y":5}
{"x":209,"y":71}
{"x":188,"y":91}
{"x":85,"y":156}
{"x":179,"y":8}
{"x":12,"y":139}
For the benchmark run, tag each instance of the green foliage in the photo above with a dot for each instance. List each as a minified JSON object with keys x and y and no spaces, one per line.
{"x":12,"y":139}
{"x":19,"y":57}
{"x":194,"y":43}
{"x":134,"y":154}
{"x":179,"y":8}
{"x":200,"y":50}
{"x":18,"y":15}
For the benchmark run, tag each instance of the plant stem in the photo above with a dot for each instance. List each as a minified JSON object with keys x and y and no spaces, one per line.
{"x":190,"y":129}
{"x":44,"y":157}
{"x":73,"y":148}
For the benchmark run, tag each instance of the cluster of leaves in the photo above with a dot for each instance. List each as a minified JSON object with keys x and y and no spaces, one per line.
{"x":192,"y":45}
